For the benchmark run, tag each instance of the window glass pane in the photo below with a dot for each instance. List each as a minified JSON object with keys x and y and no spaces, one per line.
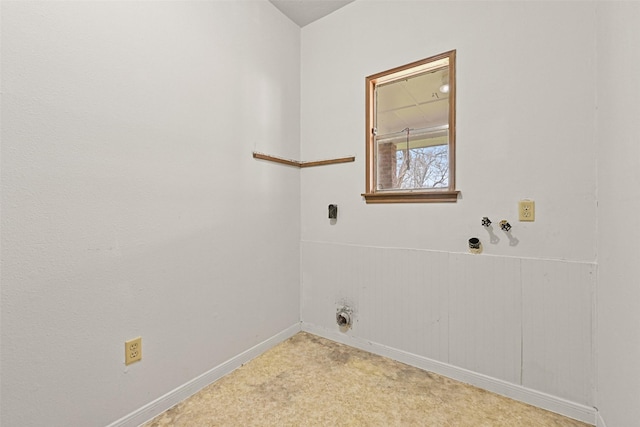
{"x":423,"y":164}
{"x":412,"y":137}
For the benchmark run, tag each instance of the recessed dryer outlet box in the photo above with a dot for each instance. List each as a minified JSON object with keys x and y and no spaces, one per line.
{"x":527,"y":210}
{"x":333,"y":211}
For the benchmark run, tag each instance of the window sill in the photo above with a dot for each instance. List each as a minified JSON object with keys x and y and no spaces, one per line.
{"x":411,"y":197}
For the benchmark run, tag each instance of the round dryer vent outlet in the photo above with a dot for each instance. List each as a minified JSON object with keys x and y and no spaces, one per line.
{"x":343,"y":317}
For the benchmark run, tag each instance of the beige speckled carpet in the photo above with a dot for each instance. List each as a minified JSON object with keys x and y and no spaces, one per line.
{"x":311,"y":381}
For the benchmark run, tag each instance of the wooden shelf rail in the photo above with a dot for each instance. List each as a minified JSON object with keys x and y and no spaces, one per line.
{"x":301,"y":164}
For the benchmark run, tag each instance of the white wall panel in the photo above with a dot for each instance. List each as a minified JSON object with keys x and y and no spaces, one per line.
{"x":399,"y":297}
{"x":524,"y":321}
{"x":485,"y":315}
{"x":558,"y":328}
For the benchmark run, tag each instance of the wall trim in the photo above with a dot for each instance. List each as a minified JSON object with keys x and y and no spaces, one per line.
{"x":517,"y":392}
{"x":450,"y":252}
{"x":182,"y":392}
{"x":599,"y":420}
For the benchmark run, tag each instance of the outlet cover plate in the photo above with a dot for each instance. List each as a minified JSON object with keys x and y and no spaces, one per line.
{"x":527,"y":210}
{"x":132,"y":351}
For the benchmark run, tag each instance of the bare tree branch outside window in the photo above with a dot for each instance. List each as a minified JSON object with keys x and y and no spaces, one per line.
{"x":426,"y":167}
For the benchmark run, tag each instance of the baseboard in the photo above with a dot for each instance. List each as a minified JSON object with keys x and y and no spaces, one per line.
{"x":532,"y":397}
{"x":177,"y":395}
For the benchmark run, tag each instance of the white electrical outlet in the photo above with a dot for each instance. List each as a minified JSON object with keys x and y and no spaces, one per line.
{"x":527,"y":210}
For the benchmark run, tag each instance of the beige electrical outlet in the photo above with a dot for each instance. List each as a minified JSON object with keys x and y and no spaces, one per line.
{"x":132,"y":350}
{"x":527,"y":210}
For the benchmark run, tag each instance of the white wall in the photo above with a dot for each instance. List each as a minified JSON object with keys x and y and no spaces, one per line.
{"x":131,"y":204}
{"x":525,"y":129}
{"x":618,"y":333}
{"x":522,"y":311}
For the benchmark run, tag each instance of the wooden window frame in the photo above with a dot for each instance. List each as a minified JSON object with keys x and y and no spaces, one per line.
{"x":449,"y":194}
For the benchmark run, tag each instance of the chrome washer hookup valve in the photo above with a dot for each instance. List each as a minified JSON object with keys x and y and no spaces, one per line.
{"x":505,"y":226}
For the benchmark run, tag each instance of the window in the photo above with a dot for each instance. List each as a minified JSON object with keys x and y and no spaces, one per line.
{"x":410,"y":132}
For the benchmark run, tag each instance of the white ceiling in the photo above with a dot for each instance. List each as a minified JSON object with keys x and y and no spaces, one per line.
{"x":304,"y":12}
{"x":415,"y":103}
